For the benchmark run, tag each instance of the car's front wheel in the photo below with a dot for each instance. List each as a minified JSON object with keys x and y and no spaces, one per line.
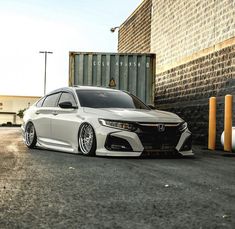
{"x":87,"y":140}
{"x":30,"y":135}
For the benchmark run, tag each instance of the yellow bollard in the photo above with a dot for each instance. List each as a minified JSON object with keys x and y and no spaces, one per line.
{"x":228,"y":123}
{"x":212,"y":124}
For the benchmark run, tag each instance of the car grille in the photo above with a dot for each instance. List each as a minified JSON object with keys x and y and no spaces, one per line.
{"x":155,"y":140}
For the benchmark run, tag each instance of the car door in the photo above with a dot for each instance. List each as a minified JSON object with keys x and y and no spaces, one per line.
{"x":65,"y":123}
{"x":42,"y":121}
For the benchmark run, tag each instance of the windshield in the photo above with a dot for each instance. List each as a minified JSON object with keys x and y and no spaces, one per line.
{"x":109,"y":99}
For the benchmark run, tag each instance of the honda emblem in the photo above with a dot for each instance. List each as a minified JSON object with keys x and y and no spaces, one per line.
{"x":161,"y":128}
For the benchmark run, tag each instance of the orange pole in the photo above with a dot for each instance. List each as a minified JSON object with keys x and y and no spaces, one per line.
{"x":228,"y":123}
{"x":212,"y":123}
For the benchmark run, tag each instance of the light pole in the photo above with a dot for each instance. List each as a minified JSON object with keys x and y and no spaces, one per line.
{"x":45,"y":73}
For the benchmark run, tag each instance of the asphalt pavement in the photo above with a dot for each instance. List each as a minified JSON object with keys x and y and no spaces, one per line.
{"x":48,"y":189}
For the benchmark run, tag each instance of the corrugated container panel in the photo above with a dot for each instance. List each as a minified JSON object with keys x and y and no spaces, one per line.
{"x":131,"y":72}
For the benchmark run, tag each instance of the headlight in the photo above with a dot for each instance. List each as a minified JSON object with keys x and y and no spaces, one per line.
{"x":117,"y":124}
{"x":183,"y":126}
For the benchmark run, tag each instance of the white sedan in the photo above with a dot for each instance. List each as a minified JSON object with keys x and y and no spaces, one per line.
{"x":105,"y":122}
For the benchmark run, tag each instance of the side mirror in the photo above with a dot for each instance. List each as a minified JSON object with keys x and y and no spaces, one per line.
{"x":67,"y":105}
{"x":152,"y":107}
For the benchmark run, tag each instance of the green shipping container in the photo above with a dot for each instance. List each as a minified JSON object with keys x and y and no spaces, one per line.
{"x":131,"y":72}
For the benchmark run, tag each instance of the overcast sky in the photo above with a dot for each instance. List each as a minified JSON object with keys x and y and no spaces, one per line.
{"x":30,"y":26}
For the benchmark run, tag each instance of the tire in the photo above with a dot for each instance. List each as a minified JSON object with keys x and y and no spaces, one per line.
{"x":87,"y":140}
{"x":30,"y":135}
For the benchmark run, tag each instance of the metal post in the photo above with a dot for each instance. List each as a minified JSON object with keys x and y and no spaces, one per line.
{"x":212,"y":124}
{"x":45,"y":71}
{"x":228,"y":123}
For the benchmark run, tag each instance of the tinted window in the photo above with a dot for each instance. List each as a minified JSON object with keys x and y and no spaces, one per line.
{"x":109,"y":99}
{"x":51,"y":100}
{"x":67,"y":97}
{"x":39,"y":103}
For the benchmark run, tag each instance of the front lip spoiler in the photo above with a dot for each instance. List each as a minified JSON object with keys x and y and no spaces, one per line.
{"x":187,"y":153}
{"x":118,"y":154}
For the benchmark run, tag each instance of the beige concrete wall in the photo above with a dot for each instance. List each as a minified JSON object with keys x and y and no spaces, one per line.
{"x":181,"y":28}
{"x":4,"y":118}
{"x":14,"y":104}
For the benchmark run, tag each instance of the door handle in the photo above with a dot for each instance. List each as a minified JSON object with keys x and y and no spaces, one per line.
{"x":37,"y":112}
{"x":54,"y":113}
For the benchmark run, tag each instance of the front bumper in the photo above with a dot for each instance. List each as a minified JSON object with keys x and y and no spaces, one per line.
{"x":180,"y":144}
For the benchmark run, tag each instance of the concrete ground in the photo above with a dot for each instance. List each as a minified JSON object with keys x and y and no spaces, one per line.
{"x":47,"y":189}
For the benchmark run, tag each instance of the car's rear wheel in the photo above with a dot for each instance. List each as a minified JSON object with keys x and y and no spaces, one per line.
{"x":87,"y":140}
{"x":30,"y":135}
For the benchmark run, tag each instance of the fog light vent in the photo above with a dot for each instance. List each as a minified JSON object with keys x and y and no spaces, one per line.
{"x":117,"y":144}
{"x":187,"y":144}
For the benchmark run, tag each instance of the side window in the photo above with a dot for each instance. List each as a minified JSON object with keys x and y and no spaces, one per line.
{"x":39,"y":103}
{"x":51,"y":100}
{"x":67,"y":97}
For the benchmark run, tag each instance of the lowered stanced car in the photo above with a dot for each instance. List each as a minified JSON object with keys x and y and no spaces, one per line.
{"x":105,"y":122}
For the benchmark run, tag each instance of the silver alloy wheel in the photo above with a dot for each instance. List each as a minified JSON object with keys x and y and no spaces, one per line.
{"x":86,"y":138}
{"x":29,"y":134}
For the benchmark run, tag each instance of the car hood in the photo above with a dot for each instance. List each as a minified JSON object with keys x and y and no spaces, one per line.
{"x":135,"y":115}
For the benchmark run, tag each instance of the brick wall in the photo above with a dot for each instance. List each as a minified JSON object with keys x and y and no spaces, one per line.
{"x":185,"y":90}
{"x":135,"y":32}
{"x":180,"y":28}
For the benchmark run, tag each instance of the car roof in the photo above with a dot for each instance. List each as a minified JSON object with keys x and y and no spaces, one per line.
{"x":93,"y":88}
{"x":78,"y":87}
